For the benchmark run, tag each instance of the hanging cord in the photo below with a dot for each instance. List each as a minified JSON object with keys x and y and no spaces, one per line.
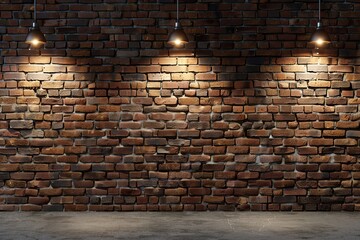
{"x":319,"y":10}
{"x":177,"y":10}
{"x":34,"y":10}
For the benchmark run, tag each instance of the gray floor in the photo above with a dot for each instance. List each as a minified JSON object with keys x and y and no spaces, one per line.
{"x":186,"y":225}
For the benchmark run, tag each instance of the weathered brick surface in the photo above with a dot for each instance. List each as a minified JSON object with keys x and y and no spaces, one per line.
{"x":108,"y":117}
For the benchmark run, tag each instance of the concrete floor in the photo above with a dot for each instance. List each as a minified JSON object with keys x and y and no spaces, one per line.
{"x":178,"y":226}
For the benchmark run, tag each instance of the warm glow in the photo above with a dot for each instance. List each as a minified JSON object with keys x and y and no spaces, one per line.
{"x":177,"y":42}
{"x":35,"y":42}
{"x":319,"y":42}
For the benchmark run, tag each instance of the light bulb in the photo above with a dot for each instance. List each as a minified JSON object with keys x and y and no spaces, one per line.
{"x":319,"y":42}
{"x":35,"y":42}
{"x":177,"y":42}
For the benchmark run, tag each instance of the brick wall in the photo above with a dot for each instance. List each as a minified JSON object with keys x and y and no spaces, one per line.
{"x":247,"y":116}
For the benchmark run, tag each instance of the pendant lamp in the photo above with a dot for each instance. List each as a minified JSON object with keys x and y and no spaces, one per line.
{"x":320,"y":37}
{"x":178,"y":36}
{"x":35,"y":37}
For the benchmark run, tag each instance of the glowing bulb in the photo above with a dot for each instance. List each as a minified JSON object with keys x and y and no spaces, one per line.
{"x":35,"y":42}
{"x":177,"y":42}
{"x":320,"y":42}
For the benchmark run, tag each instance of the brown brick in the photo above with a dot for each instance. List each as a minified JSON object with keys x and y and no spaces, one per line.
{"x":284,"y":76}
{"x":39,"y":200}
{"x":50,"y":192}
{"x":321,"y":142}
{"x":319,"y":84}
{"x":330,"y":167}
{"x":85,"y":108}
{"x":307,"y":133}
{"x":21,"y":124}
{"x":334,"y":133}
{"x":320,"y":192}
{"x":293,"y":68}
{"x":307,"y":150}
{"x":258,"y":133}
{"x":339,"y":68}
{"x":212,"y":134}
{"x":282,"y":133}
{"x":295,"y":192}
{"x":189,"y":101}
{"x":9,"y":167}
{"x":246,"y":191}
{"x":311,"y":101}
{"x":247,"y":175}
{"x":188,"y":133}
{"x":213,"y":199}
{"x":176,"y":192}
{"x":166,"y":101}
{"x":113,"y":120}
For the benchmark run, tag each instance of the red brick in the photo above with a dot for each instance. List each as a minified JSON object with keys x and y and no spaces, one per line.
{"x":176,"y":192}
{"x":85,"y":108}
{"x":293,"y":68}
{"x":339,"y":68}
{"x":213,"y":199}
{"x":50,"y":192}
{"x":189,"y":101}
{"x":244,"y":122}
{"x":284,"y":76}
{"x":21,"y":124}
{"x":246,"y":191}
{"x":282,"y":133}
{"x":188,"y":133}
{"x":295,"y":192}
{"x":9,"y":167}
{"x":307,"y":150}
{"x":166,"y":101}
{"x":212,"y":134}
{"x":247,"y":175}
{"x":307,"y":133}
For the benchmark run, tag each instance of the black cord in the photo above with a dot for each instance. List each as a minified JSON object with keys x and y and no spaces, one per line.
{"x":34,"y":10}
{"x":177,"y":10}
{"x":319,"y":10}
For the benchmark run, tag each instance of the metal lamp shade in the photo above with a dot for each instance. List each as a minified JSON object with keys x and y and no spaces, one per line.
{"x":35,"y":37}
{"x":178,"y":36}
